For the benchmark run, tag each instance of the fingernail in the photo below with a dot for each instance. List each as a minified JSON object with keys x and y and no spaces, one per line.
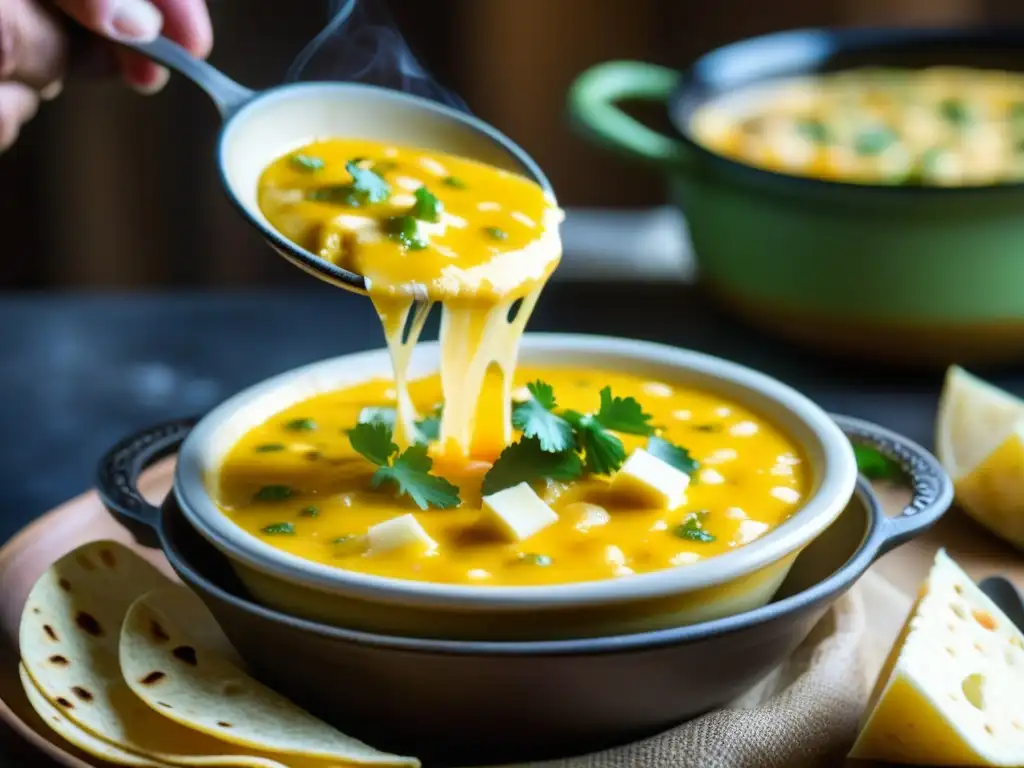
{"x":155,"y":86}
{"x":52,"y":91}
{"x":137,"y":21}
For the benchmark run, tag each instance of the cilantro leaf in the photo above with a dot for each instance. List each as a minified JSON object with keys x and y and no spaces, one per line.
{"x":429,"y":427}
{"x":603,"y":451}
{"x":623,"y":414}
{"x":672,"y":454}
{"x":409,"y":470}
{"x":306,"y":163}
{"x":365,"y":188}
{"x":410,"y":473}
{"x":535,"y":419}
{"x":692,"y":528}
{"x":427,"y":207}
{"x":279,"y":529}
{"x":526,"y":461}
{"x":373,"y":441}
{"x":454,"y":181}
{"x":274,"y":493}
{"x":368,"y":184}
{"x":404,"y":231}
{"x":301,"y":425}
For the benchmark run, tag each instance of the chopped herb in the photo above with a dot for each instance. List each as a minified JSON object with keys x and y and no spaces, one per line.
{"x":365,"y":188}
{"x":496,"y":233}
{"x":603,"y":451}
{"x":532,"y":558}
{"x":408,"y":471}
{"x":311,"y":511}
{"x":279,"y":529}
{"x":301,"y":425}
{"x":874,"y":141}
{"x":692,"y":529}
{"x":269,"y":447}
{"x":429,"y":428}
{"x":623,"y":414}
{"x":368,"y":184}
{"x":405,"y":231}
{"x":672,"y":454}
{"x":274,"y":493}
{"x":312,"y":455}
{"x":527,"y":461}
{"x":306,"y":163}
{"x":454,"y":182}
{"x":536,"y":418}
{"x":814,"y":130}
{"x":427,"y":207}
{"x":378,"y":415}
{"x":874,"y":465}
{"x":343,"y":539}
{"x":955,"y":111}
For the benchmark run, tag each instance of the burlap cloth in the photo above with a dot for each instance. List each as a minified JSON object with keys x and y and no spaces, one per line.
{"x":806,"y":713}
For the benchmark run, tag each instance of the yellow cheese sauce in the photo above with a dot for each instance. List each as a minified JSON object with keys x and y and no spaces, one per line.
{"x":750,"y":478}
{"x":422,"y":227}
{"x":939,"y":126}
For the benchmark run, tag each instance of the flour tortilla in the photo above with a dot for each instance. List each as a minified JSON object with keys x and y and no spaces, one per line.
{"x":165,"y":665}
{"x":69,"y":637}
{"x":72,"y":734}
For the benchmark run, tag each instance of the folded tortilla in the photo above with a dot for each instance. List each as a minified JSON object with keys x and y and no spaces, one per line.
{"x":69,"y":639}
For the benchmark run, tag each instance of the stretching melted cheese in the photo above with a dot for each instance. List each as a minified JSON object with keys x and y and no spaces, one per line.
{"x":441,"y":229}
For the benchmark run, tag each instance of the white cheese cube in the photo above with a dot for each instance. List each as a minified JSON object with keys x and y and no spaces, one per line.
{"x":398,"y":533}
{"x":650,"y":482}
{"x":952,"y":690}
{"x":516,"y":513}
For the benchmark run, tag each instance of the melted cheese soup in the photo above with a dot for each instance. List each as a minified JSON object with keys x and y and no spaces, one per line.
{"x":297,"y":483}
{"x":483,"y":474}
{"x":940,"y":126}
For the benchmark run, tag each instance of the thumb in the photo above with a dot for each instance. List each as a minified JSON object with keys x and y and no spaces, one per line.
{"x":136,"y":21}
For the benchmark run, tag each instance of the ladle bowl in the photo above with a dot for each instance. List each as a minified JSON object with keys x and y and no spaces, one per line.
{"x":260,"y":126}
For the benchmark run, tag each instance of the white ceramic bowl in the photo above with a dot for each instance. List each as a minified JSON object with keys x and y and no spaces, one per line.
{"x":729,"y":583}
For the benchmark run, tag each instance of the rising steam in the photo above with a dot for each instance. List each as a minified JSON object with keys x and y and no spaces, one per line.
{"x":362,"y":44}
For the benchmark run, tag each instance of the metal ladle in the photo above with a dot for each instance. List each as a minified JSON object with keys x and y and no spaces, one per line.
{"x":260,"y":126}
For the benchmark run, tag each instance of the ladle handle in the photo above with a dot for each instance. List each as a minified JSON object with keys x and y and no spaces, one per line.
{"x":225,"y":92}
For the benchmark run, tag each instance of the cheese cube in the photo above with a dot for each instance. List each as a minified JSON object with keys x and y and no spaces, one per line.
{"x":650,"y":482}
{"x":399,"y":533}
{"x":516,"y":513}
{"x":952,"y":690}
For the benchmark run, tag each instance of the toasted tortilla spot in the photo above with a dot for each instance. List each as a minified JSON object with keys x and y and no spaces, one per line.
{"x":153,"y":678}
{"x":59,"y":660}
{"x":50,"y":633}
{"x":186,"y":654}
{"x":159,"y":633}
{"x":65,"y":585}
{"x":82,"y":693}
{"x":107,"y":558}
{"x":65,"y":703}
{"x":88,"y":623}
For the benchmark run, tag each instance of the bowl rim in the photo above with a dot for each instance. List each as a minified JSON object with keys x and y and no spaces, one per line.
{"x":836,"y":481}
{"x":841,"y":579}
{"x":816,"y":45}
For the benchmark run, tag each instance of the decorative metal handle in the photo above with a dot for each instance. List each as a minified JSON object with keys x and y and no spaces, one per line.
{"x":930,"y":485}
{"x":117,"y":476}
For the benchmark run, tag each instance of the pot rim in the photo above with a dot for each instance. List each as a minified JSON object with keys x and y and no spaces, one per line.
{"x":835,"y":475}
{"x":807,"y":51}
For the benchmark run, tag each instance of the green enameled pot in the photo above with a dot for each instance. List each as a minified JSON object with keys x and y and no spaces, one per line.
{"x":912,"y":275}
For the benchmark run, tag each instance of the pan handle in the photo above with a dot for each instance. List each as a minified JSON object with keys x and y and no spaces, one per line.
{"x":117,"y":476}
{"x":931,"y":487}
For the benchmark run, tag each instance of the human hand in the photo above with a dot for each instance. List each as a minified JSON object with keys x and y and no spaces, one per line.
{"x":34,"y":46}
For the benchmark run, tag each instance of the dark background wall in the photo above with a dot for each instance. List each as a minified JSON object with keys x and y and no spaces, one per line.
{"x":109,"y":189}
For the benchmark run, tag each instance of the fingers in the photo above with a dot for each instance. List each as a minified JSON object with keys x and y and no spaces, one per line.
{"x":33,"y":46}
{"x":136,"y":21}
{"x":187,"y":22}
{"x":18,"y":105}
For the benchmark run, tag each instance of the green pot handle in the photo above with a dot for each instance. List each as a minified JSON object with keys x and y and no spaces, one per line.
{"x":592,"y":107}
